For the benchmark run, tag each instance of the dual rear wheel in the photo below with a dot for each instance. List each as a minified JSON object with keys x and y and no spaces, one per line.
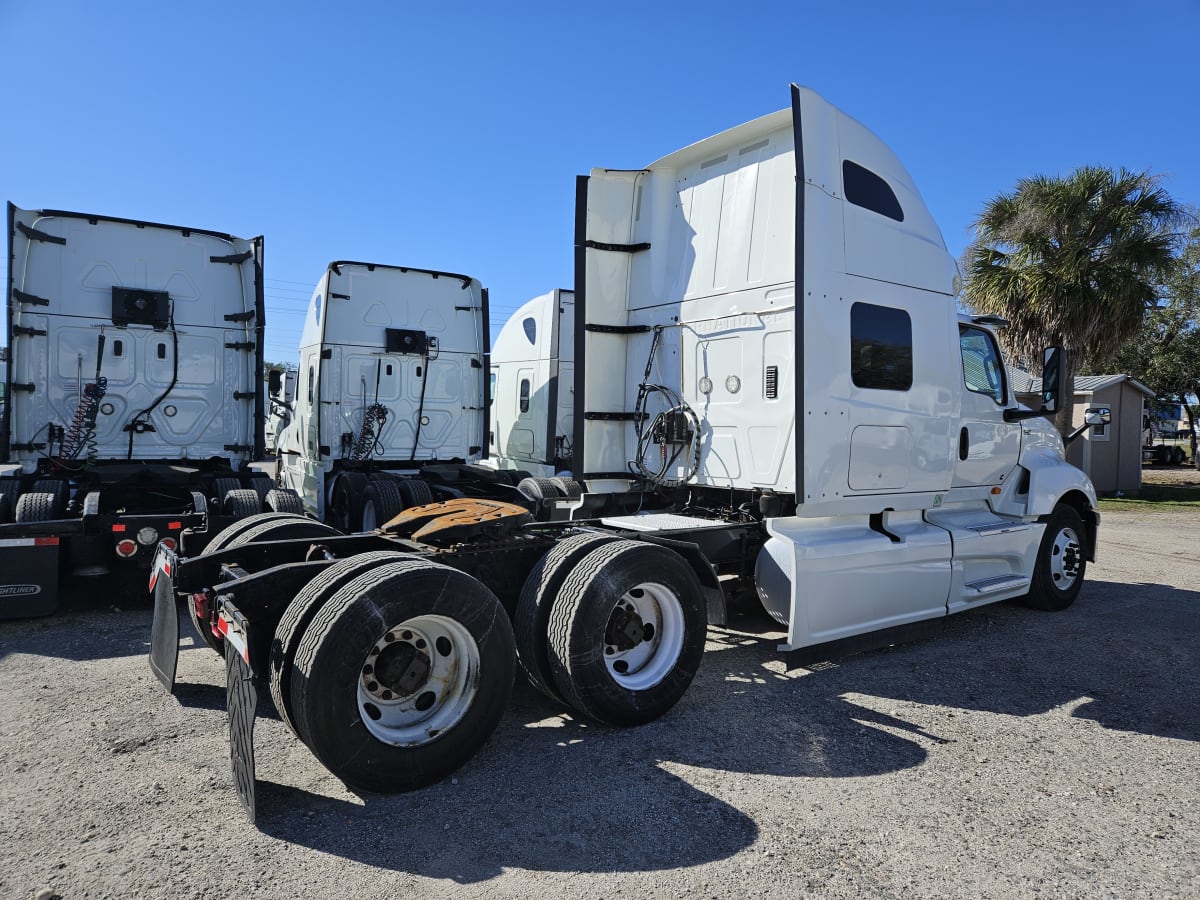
{"x":394,"y":669}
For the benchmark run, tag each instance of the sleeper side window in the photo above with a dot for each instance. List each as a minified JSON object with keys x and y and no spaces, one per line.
{"x":881,"y":350}
{"x":866,"y":189}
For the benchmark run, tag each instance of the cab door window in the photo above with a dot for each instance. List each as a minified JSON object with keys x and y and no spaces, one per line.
{"x":983,"y":367}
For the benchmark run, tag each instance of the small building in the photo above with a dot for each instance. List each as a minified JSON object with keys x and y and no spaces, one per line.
{"x":1111,"y":455}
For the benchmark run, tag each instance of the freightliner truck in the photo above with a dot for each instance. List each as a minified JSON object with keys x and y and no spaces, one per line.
{"x":134,"y":401}
{"x":533,"y":392}
{"x":391,"y":401}
{"x":774,"y":395}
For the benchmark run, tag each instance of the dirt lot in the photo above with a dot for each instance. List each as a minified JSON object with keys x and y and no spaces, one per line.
{"x":1007,"y":752}
{"x":1175,"y":475}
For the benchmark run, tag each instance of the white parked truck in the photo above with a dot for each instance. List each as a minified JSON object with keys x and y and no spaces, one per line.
{"x":533,"y":387}
{"x":774,"y":395}
{"x":134,"y":408}
{"x":391,"y":401}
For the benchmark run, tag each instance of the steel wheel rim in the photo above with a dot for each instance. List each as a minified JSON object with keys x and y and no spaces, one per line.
{"x":1066,"y":559}
{"x":418,"y":681}
{"x":653,"y":609}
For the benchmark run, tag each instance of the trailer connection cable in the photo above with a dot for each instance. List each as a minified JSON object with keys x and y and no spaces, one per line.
{"x":374,"y":418}
{"x":420,"y":406}
{"x":141,"y":421}
{"x":82,"y":430}
{"x":663,"y":429}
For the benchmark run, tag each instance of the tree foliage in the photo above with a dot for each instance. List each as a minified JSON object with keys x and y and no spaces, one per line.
{"x":1165,"y":353}
{"x":1074,"y":261}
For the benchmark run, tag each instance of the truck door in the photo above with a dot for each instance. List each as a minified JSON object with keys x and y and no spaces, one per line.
{"x":987,"y":447}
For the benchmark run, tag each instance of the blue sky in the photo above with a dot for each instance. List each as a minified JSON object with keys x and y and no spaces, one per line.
{"x":448,"y":135}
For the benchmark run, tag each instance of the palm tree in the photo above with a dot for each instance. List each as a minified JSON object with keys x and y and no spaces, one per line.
{"x":1073,"y":261}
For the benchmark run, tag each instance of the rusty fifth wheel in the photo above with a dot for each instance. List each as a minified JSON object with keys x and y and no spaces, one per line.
{"x":402,"y":675}
{"x":626,"y":632}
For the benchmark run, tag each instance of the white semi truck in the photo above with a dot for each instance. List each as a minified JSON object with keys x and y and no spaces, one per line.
{"x":774,"y":395}
{"x":533,"y":387}
{"x":134,"y":402}
{"x":391,"y":402}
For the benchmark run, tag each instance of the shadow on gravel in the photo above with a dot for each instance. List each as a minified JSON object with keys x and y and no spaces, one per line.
{"x":203,"y":696}
{"x":587,"y":807}
{"x":549,"y":793}
{"x":1124,"y":656}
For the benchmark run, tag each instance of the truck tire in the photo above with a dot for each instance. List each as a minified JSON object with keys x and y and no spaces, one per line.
{"x":627,"y":632}
{"x":6,"y":511}
{"x":381,"y":501}
{"x":221,"y":487}
{"x":263,"y":527}
{"x":283,"y":500}
{"x":293,"y":527}
{"x":37,"y":506}
{"x":61,"y":491}
{"x":402,"y":675}
{"x":11,"y":488}
{"x":568,"y":487}
{"x":262,"y":486}
{"x":1061,"y":562}
{"x":227,"y":534}
{"x":300,"y":612}
{"x":241,"y":503}
{"x":539,"y":488}
{"x":1177,"y":456}
{"x":346,"y":502}
{"x":537,"y":598}
{"x":414,"y":492}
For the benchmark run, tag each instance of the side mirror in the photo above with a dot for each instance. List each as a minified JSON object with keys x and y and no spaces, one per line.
{"x":1097,"y":415}
{"x":274,"y":382}
{"x":1054,"y":379}
{"x":1054,"y":387}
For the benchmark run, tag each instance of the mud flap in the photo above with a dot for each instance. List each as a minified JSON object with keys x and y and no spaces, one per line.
{"x":28,"y":577}
{"x":164,"y":633}
{"x":241,"y":699}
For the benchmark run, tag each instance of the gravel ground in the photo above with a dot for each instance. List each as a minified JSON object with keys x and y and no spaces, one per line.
{"x":1007,"y":752}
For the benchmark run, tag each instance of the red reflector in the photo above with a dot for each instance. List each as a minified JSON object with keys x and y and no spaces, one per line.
{"x":126,"y":548}
{"x":174,"y":526}
{"x":169,"y":543}
{"x":117,"y":529}
{"x":45,"y":542}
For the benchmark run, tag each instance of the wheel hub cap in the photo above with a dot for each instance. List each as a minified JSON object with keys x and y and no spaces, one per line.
{"x":1065,"y":559}
{"x":418,"y":680}
{"x":644,"y":636}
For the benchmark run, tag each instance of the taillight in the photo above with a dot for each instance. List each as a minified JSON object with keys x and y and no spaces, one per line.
{"x":126,"y":548}
{"x":169,"y":543}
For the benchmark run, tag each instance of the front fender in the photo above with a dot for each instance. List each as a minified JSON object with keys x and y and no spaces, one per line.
{"x":1051,"y":478}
